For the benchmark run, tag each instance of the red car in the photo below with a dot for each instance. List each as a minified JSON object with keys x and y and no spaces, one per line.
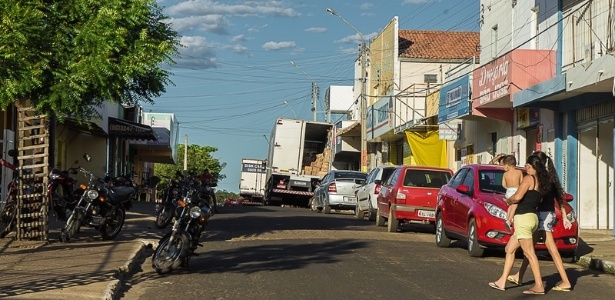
{"x":409,"y":195}
{"x":472,"y":207}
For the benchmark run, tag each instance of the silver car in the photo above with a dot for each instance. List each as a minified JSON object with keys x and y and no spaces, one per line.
{"x":367,"y":193}
{"x":336,"y":191}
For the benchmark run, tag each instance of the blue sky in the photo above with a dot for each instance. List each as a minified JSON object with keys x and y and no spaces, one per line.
{"x":234,"y":73}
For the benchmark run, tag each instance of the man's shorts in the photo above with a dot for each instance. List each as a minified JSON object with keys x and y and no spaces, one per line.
{"x":525,"y":225}
{"x":546,"y":221}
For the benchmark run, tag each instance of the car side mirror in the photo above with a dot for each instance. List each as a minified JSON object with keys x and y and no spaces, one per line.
{"x":464,"y":189}
{"x":568,"y":197}
{"x":378,"y":181}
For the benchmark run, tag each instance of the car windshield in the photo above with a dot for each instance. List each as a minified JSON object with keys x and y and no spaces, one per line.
{"x":426,"y":178}
{"x":491,"y":181}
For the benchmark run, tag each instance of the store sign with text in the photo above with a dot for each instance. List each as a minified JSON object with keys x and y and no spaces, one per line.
{"x":491,"y":81}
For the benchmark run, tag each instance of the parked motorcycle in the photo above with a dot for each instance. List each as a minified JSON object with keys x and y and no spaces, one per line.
{"x":177,"y":247}
{"x":60,"y":191}
{"x":165,"y":211}
{"x":100,"y":205}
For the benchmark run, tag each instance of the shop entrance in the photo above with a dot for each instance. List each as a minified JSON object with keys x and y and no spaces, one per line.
{"x":595,"y":185}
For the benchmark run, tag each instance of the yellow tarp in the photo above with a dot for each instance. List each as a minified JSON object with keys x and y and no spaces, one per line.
{"x":427,"y":148}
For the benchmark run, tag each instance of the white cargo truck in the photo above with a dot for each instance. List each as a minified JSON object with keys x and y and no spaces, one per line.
{"x":252,"y":181}
{"x":299,"y":156}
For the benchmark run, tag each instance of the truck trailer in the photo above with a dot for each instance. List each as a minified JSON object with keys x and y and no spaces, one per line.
{"x":252,"y":181}
{"x":299,"y":156}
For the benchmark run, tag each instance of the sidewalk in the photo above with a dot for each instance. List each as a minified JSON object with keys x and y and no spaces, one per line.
{"x":85,"y":268}
{"x":89,"y":268}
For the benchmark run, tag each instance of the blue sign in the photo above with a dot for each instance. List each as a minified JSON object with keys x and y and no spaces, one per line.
{"x":454,"y":99}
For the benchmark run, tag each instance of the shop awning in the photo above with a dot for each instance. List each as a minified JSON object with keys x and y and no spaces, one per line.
{"x":349,"y":129}
{"x":84,"y":127}
{"x":130,"y":130}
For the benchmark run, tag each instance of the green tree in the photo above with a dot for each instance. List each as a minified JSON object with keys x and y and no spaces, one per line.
{"x":69,"y":56}
{"x":221,"y":195}
{"x":199,"y":159}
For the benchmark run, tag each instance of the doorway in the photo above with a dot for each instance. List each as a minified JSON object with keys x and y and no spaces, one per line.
{"x":595,"y":185}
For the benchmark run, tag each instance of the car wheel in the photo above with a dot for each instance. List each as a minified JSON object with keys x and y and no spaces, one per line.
{"x":474,"y":248}
{"x":358,"y":214}
{"x":393,"y":223}
{"x":441,"y":239}
{"x":371,"y":212}
{"x":379,"y":219}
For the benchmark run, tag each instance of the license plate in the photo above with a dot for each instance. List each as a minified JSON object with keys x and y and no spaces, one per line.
{"x":350,"y":199}
{"x":427,"y":213}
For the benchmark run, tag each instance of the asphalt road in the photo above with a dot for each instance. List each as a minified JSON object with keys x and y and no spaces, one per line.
{"x":292,"y":253}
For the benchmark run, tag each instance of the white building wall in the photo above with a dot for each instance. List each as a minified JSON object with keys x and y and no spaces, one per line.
{"x":495,"y":14}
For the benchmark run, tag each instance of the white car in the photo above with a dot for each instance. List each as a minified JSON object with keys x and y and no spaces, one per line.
{"x":368,"y":192}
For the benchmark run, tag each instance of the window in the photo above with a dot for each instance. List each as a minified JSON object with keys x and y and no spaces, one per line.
{"x":431,"y":78}
{"x":458,"y":177}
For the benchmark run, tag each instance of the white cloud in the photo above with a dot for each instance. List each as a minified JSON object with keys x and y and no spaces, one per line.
{"x":210,"y":23}
{"x":316,"y":29}
{"x":196,"y":52}
{"x":249,"y":8}
{"x":240,"y":49}
{"x":238,"y":38}
{"x":274,"y":46}
{"x":356,"y":38}
{"x":366,"y":6}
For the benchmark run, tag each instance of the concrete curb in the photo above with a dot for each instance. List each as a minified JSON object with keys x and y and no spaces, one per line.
{"x":597,"y":264}
{"x":124,"y":272}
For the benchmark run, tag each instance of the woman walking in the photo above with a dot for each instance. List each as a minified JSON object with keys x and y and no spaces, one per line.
{"x":546,"y":221}
{"x":528,"y":197}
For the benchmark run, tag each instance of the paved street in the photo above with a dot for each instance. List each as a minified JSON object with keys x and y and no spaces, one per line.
{"x":282,"y":252}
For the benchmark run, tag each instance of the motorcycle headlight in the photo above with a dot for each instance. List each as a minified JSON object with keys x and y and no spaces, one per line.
{"x":195,"y":212}
{"x":92,"y":194}
{"x":495,"y":211}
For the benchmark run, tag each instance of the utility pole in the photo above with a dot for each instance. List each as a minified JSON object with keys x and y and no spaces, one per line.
{"x":185,"y":153}
{"x":363,"y":107}
{"x":314,"y":88}
{"x":363,"y":78}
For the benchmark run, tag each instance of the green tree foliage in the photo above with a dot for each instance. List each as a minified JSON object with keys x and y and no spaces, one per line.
{"x":68,"y":56}
{"x":199,"y":159}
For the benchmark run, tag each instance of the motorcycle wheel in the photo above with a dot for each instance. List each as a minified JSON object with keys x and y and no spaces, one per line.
{"x":164,"y":216}
{"x":170,"y":255}
{"x":113,"y":224}
{"x":7,"y":218}
{"x":72,"y":226}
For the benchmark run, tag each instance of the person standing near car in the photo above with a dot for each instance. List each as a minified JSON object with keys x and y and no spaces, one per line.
{"x":511,"y":180}
{"x":528,"y":197}
{"x":546,"y":221}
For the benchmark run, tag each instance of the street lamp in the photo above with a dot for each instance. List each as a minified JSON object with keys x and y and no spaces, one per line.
{"x":363,"y":78}
{"x":291,"y":109}
{"x":314,"y":88}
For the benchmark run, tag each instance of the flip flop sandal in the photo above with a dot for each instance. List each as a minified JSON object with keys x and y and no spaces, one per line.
{"x":561,"y":289}
{"x":513,"y":280}
{"x":533,"y":292}
{"x":496,"y":286}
